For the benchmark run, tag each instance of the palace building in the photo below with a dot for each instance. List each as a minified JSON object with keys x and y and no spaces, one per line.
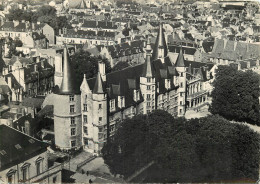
{"x":88,"y":115}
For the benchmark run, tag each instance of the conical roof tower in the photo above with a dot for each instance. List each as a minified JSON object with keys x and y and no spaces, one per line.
{"x":68,"y":84}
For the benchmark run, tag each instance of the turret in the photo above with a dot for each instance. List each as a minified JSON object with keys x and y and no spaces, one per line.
{"x":67,"y":110}
{"x":180,"y":67}
{"x":147,"y":82}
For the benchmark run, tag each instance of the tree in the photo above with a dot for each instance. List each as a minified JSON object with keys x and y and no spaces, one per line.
{"x":83,"y":63}
{"x":120,"y":66}
{"x":210,"y":149}
{"x":235,"y":95}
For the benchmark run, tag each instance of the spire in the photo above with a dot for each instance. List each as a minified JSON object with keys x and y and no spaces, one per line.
{"x":160,"y":49}
{"x":98,"y":88}
{"x":180,"y":60}
{"x":148,"y":70}
{"x":68,"y":85}
{"x":84,"y":85}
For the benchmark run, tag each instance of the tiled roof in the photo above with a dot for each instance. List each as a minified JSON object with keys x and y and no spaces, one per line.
{"x":19,"y":148}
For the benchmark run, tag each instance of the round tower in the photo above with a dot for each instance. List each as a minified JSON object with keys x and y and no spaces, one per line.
{"x":67,"y":110}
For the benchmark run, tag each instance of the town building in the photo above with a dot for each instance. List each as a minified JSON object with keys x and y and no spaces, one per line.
{"x":24,"y":159}
{"x":24,"y":32}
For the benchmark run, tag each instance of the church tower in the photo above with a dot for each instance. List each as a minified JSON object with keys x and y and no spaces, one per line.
{"x":160,"y":50}
{"x":67,"y":110}
{"x":180,"y":67}
{"x":147,"y":82}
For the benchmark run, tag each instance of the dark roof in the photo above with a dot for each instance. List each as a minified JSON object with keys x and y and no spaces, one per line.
{"x":33,"y":102}
{"x":180,"y":60}
{"x":99,"y":24}
{"x":17,"y":148}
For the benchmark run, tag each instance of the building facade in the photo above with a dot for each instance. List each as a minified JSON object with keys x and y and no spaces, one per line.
{"x":94,"y":113}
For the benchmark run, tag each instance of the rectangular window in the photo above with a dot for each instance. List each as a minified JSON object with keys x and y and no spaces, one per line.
{"x":71,"y":98}
{"x":85,"y":118}
{"x":180,"y":111}
{"x":72,"y":120}
{"x":73,"y":131}
{"x":10,"y":179}
{"x":38,"y":168}
{"x":85,"y":141}
{"x":181,"y":84}
{"x":100,"y":119}
{"x":148,"y":87}
{"x":86,"y":130}
{"x":148,"y":104}
{"x":24,"y":173}
{"x":181,"y":74}
{"x":148,"y":96}
{"x":73,"y":143}
{"x":148,"y":79}
{"x":99,"y":106}
{"x":85,"y":107}
{"x":180,"y":102}
{"x":72,"y":108}
{"x":54,"y":179}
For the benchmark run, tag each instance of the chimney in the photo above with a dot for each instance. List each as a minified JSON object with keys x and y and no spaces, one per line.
{"x":238,"y":66}
{"x":248,"y":64}
{"x":33,"y":26}
{"x":11,"y":122}
{"x":37,"y":59}
{"x":42,"y":63}
{"x":27,"y":127}
{"x":35,"y":68}
{"x":9,"y":82}
{"x":16,"y":23}
{"x":23,"y":111}
{"x":102,"y":70}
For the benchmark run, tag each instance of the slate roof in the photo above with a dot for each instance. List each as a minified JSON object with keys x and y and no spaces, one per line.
{"x":18,"y":148}
{"x":33,"y":102}
{"x":99,"y":24}
{"x":125,"y":49}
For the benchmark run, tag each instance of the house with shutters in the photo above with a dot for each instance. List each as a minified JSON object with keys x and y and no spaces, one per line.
{"x":87,"y":115}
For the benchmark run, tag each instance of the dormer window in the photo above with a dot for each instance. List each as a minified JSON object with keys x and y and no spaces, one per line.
{"x":136,"y":95}
{"x":121,"y":101}
{"x":167,"y":83}
{"x":148,"y":79}
{"x":112,"y":104}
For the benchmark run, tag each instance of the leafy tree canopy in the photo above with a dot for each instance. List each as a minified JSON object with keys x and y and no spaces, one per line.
{"x":84,"y":63}
{"x":235,"y":95}
{"x":197,"y":150}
